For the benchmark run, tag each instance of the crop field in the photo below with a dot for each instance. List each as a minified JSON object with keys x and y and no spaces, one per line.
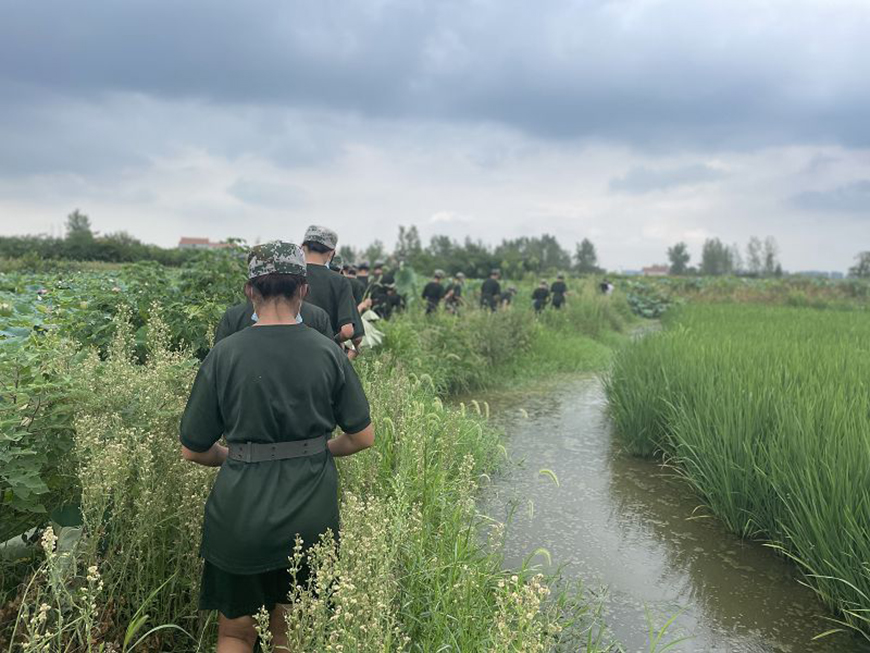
{"x":764,"y":410}
{"x":95,"y":369}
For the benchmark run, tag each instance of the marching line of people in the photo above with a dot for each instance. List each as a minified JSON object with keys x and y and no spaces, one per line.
{"x":275,"y":386}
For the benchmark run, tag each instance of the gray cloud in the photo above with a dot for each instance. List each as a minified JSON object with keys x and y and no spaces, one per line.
{"x":849,"y":198}
{"x":644,"y":180}
{"x":675,"y":73}
{"x":268,"y":193}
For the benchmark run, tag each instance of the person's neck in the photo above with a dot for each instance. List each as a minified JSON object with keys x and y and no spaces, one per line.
{"x":316,"y":258}
{"x":280,"y":312}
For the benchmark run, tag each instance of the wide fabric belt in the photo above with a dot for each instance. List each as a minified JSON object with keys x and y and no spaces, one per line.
{"x":257,"y":452}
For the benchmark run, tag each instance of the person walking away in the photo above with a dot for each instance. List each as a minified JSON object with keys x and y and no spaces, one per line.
{"x":362,"y":273}
{"x":395,"y":303}
{"x":329,"y":290}
{"x":241,"y":316}
{"x":541,"y":296}
{"x":377,"y":291}
{"x":277,"y":478}
{"x":357,"y":287}
{"x":490,"y":291}
{"x":559,"y":290}
{"x":453,"y":298}
{"x":434,"y":292}
{"x":507,"y":296}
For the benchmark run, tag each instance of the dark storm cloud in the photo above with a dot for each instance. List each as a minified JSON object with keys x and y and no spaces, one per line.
{"x":849,"y":198}
{"x":681,"y":74}
{"x":644,"y":180}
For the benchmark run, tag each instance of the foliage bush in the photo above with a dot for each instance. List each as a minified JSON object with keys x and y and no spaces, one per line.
{"x":412,"y":567}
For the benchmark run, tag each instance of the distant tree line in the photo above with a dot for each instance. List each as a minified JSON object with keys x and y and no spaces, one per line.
{"x":81,"y":243}
{"x":518,"y":257}
{"x":717,"y":258}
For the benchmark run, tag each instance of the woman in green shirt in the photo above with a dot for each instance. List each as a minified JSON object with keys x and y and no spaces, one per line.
{"x":276,"y":391}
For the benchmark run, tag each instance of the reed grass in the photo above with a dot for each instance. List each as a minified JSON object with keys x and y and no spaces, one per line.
{"x":765,"y":411}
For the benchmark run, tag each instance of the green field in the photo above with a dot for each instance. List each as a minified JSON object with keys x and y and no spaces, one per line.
{"x":766,"y":412}
{"x":95,"y":369}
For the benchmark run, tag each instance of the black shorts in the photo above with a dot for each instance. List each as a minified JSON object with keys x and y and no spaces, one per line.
{"x":242,"y":595}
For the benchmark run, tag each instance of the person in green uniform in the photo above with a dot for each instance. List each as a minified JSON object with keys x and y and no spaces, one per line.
{"x":241,"y":316}
{"x":559,"y":290}
{"x":277,"y":476}
{"x":541,"y":296}
{"x":362,"y":273}
{"x":490,"y":291}
{"x":433,"y":292}
{"x":357,"y":287}
{"x":327,"y":289}
{"x":453,"y":299}
{"x":376,"y":290}
{"x":394,"y":302}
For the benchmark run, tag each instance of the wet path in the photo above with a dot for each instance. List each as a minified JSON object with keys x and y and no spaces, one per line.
{"x":625,"y":524}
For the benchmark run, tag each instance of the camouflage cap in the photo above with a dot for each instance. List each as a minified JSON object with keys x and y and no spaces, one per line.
{"x":322,"y":235}
{"x":336,"y":263}
{"x":439,"y":274}
{"x":276,"y":257}
{"x":363,"y":265}
{"x":460,"y":275}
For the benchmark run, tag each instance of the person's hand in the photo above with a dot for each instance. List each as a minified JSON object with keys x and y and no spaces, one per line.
{"x":352,"y":354}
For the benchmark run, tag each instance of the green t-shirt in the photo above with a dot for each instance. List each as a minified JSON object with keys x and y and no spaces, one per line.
{"x":241,"y":316}
{"x":271,"y":384}
{"x":332,"y":292}
{"x":358,"y":288}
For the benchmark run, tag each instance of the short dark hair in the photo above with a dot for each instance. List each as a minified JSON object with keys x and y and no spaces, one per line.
{"x":314,"y":246}
{"x":271,"y":286}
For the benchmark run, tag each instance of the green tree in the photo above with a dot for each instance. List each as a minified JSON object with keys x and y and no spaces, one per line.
{"x":771,"y":257}
{"x":586,"y":258}
{"x":408,"y":246}
{"x":716,"y":258}
{"x":679,"y":257}
{"x":79,"y":241}
{"x":348,"y":254}
{"x":375,"y":252}
{"x":861,"y":269}
{"x":78,"y":227}
{"x":754,"y":256}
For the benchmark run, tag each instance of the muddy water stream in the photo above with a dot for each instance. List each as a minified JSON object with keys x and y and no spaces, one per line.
{"x":627,"y":525}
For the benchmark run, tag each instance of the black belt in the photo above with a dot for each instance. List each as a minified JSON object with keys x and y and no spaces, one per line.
{"x":256,"y":452}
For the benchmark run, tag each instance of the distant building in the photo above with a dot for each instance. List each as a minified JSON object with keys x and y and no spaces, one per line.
{"x":656,"y":271}
{"x":199,"y":243}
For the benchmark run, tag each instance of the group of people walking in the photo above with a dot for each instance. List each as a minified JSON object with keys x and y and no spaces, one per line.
{"x":491,"y":295}
{"x":275,"y":386}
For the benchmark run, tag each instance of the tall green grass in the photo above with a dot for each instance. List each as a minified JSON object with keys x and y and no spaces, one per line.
{"x":766,"y":411}
{"x":419,"y":570}
{"x":480,"y":349}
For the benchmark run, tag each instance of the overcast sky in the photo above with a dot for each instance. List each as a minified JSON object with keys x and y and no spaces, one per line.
{"x":636,"y":123}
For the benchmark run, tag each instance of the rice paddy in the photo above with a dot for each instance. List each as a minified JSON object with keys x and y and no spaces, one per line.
{"x":764,"y":410}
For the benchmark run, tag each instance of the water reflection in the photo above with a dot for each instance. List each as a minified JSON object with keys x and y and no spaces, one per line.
{"x":626,"y":524}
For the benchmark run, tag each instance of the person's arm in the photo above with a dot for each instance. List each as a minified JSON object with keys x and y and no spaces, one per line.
{"x":348,"y":444}
{"x":213,"y":457}
{"x":202,"y":424}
